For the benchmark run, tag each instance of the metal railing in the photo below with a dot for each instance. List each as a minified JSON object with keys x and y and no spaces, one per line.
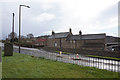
{"x":108,"y":64}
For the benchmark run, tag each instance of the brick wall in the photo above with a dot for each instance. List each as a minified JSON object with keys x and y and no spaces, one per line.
{"x":53,"y":42}
{"x":76,"y":44}
{"x":98,"y":44}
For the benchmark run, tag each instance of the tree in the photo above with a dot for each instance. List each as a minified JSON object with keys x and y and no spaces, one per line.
{"x":30,"y":35}
{"x":10,"y":35}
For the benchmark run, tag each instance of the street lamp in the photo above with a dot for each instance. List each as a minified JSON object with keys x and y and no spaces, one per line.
{"x":20,"y":22}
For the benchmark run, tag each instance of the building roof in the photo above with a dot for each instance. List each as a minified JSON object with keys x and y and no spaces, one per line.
{"x":39,"y":40}
{"x":59,"y":35}
{"x":44,"y":36}
{"x":94,"y":36}
{"x":88,"y":36}
{"x":75,"y":37}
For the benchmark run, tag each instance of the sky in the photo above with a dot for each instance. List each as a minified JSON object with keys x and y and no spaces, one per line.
{"x":43,"y":16}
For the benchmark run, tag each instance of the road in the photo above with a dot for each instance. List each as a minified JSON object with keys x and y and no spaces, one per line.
{"x":72,"y":58}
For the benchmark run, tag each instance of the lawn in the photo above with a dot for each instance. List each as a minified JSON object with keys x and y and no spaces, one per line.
{"x":25,"y":66}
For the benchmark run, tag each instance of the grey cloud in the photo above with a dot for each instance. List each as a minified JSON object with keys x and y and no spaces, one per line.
{"x":108,"y":13}
{"x":27,"y":14}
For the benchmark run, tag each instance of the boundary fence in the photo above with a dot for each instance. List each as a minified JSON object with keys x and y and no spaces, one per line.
{"x":80,"y":59}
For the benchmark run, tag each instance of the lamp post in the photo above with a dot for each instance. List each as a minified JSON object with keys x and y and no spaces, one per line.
{"x":20,"y":22}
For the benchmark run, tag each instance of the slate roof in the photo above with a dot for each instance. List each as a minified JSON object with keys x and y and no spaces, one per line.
{"x":59,"y":35}
{"x":88,"y":36}
{"x":75,"y":37}
{"x":38,"y":41}
{"x":94,"y":36}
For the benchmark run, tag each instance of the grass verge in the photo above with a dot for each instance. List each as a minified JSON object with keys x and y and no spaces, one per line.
{"x":112,"y":58}
{"x":25,"y":66}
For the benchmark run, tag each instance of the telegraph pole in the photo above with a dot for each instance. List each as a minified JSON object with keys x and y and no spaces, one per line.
{"x":13,"y":29}
{"x":19,"y":25}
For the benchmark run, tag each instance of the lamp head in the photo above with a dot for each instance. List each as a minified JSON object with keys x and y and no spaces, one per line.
{"x":28,"y":6}
{"x":25,"y":6}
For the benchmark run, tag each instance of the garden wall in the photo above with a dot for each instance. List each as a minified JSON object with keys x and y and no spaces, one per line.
{"x":85,"y":52}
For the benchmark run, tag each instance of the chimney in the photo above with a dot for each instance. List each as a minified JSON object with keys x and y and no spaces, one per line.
{"x":70,"y":30}
{"x":80,"y":32}
{"x":53,"y":32}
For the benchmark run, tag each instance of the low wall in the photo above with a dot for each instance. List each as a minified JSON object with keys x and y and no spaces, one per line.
{"x":85,"y":52}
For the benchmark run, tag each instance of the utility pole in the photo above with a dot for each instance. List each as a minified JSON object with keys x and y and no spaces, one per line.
{"x":13,"y":29}
{"x":19,"y":25}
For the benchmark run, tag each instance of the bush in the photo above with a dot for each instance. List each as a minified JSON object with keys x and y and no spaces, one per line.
{"x":5,"y":41}
{"x":24,"y":44}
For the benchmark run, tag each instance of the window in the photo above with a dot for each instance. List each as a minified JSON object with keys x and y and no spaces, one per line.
{"x":71,"y":41}
{"x":55,"y":44}
{"x":74,"y":41}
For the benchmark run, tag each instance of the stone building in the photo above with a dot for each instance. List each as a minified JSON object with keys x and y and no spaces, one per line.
{"x":68,"y":40}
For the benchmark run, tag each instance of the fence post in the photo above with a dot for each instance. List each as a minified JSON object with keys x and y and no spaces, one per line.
{"x":0,"y":63}
{"x":0,"y":55}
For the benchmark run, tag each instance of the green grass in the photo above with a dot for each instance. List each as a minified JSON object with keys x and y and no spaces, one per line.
{"x":103,"y":57}
{"x":25,"y":66}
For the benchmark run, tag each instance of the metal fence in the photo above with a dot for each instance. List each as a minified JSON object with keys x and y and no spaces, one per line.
{"x":108,"y":64}
{"x":0,"y":54}
{"x":0,"y":63}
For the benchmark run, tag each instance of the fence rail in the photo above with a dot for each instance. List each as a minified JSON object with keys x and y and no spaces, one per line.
{"x":111,"y":65}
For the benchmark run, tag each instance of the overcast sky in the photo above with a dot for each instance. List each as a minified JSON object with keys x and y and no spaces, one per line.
{"x":89,"y":16}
